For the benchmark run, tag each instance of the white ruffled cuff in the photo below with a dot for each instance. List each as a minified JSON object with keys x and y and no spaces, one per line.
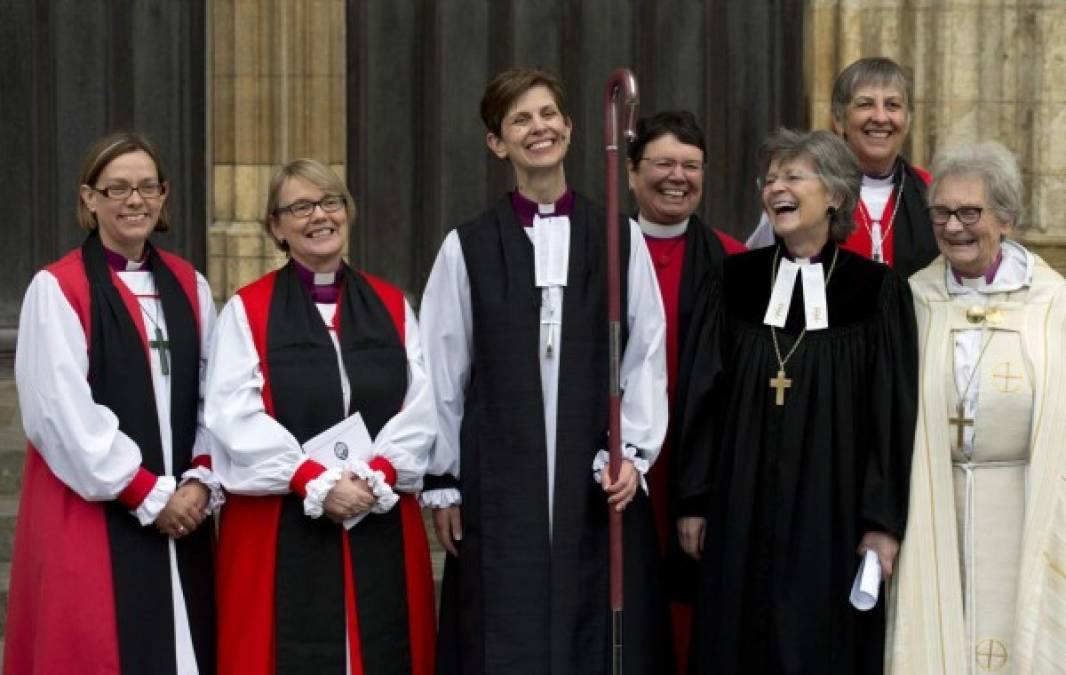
{"x":440,"y":498}
{"x":629,"y":452}
{"x":384,"y":497}
{"x":317,"y":490}
{"x":206,"y":476}
{"x":156,"y":500}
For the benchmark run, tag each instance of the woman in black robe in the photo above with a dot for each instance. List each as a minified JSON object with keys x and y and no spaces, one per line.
{"x":799,"y":433}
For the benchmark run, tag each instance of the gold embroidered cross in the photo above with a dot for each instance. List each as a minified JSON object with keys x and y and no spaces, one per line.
{"x":991,"y":655}
{"x":1002,"y":372}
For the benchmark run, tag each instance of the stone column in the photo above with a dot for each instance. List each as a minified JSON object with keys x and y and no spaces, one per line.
{"x":277,"y":93}
{"x":983,"y":70}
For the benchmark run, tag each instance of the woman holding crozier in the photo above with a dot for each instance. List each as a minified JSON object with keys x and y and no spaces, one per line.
{"x":323,"y":566}
{"x":798,"y":431}
{"x":113,"y":567}
{"x":976,"y":581}
{"x":515,"y":319}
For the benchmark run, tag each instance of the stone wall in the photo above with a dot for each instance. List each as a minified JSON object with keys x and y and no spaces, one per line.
{"x":277,"y":93}
{"x":983,"y":70}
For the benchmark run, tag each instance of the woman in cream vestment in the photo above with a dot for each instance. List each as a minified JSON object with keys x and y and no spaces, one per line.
{"x":981,"y":585}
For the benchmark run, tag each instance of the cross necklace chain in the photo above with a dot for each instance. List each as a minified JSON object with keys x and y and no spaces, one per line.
{"x":877,"y":238}
{"x":780,"y":383}
{"x":961,"y":421}
{"x":160,"y":343}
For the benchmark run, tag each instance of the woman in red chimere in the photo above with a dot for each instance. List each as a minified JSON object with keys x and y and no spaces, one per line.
{"x":296,"y":352}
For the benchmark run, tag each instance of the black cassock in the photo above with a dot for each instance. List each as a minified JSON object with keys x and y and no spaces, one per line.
{"x":788,"y":491}
{"x":519,"y":601}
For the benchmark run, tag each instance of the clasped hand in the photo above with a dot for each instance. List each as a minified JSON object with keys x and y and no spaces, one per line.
{"x":184,"y":511}
{"x":351,"y":496}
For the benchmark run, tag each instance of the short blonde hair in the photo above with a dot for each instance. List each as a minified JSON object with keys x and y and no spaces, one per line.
{"x":101,"y":154}
{"x":314,"y":172}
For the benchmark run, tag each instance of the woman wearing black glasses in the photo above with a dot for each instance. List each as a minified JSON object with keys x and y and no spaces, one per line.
{"x":981,"y":568}
{"x":323,"y":560}
{"x":113,"y":567}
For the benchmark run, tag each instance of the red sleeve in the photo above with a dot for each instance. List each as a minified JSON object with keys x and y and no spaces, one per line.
{"x":307,"y":472}
{"x":379,"y":463}
{"x":203,"y":460}
{"x":137,"y":491}
{"x":730,"y":244}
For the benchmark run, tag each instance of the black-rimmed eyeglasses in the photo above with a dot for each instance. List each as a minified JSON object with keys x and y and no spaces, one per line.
{"x":302,"y":208}
{"x":124,"y":190}
{"x":967,"y":215}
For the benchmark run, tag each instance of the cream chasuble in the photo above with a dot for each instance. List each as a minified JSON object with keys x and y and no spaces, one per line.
{"x":983,"y":552}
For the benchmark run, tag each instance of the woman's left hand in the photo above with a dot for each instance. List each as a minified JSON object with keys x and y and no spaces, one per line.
{"x":622,"y":491}
{"x":885,"y":546}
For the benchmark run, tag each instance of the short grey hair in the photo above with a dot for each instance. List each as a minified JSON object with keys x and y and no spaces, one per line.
{"x":992,"y":163}
{"x":875,"y":71}
{"x":833,"y":161}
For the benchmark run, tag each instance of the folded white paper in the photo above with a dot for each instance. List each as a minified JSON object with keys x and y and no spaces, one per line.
{"x":344,"y":441}
{"x":339,"y":446}
{"x":867,"y":584}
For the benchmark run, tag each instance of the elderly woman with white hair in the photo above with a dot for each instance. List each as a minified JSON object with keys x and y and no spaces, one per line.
{"x":984,"y":555}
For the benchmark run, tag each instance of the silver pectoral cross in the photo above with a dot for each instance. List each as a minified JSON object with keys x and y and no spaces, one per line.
{"x":876,"y":242}
{"x":551,"y":322}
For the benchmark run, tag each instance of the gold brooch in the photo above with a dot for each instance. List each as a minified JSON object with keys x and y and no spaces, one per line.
{"x":979,"y":313}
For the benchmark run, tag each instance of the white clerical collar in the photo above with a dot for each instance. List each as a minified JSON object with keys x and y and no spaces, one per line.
{"x":324,"y":279}
{"x":662,"y":231}
{"x":1015,"y":272}
{"x":815,"y":307}
{"x":135,"y":265}
{"x":878,"y":182}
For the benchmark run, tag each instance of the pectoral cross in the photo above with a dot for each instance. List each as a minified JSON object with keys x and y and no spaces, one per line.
{"x":876,"y":242}
{"x":960,"y":422}
{"x":549,"y":318}
{"x":780,"y":384}
{"x":161,"y":345}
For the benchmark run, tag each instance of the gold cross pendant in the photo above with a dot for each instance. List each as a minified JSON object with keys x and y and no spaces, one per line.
{"x":780,"y":384}
{"x":960,"y":422}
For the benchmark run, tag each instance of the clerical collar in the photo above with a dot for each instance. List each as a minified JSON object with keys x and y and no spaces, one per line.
{"x":879,"y":181}
{"x":525,"y":209}
{"x":323,"y":287}
{"x":1012,"y":270}
{"x":890,"y":175}
{"x":121,"y":263}
{"x":662,"y":231}
{"x":814,"y":259}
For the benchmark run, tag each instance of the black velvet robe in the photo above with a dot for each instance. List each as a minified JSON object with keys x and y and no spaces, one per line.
{"x":788,"y":491}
